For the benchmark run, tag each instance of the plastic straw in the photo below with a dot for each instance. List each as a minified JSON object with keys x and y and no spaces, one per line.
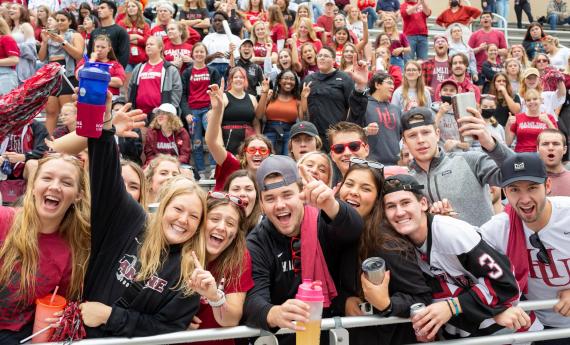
{"x":53,"y":295}
{"x":35,"y":334}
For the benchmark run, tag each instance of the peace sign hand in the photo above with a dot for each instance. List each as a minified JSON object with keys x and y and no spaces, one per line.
{"x":317,"y":194}
{"x":202,"y":281}
{"x":306,"y":90}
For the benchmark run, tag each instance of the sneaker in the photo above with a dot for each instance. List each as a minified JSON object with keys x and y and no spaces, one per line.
{"x":212,"y":174}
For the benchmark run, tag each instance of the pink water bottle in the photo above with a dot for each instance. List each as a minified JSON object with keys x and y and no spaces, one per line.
{"x":311,"y":292}
{"x":94,"y":80}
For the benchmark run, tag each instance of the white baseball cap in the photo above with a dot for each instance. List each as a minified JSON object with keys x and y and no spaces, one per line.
{"x":167,"y":108}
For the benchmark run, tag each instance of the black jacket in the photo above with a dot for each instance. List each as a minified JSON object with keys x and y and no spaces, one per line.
{"x":117,"y":226}
{"x":407,"y":286}
{"x":328,"y":101}
{"x":254,"y":74}
{"x":275,"y":280}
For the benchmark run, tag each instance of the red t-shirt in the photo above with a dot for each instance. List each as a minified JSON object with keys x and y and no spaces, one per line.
{"x":527,"y":130}
{"x":116,"y":70}
{"x":326,"y":23}
{"x":149,"y":92}
{"x":415,"y":23}
{"x":255,"y":16}
{"x":242,"y":285}
{"x":54,"y":269}
{"x":259,"y":50}
{"x":230,"y":164}
{"x":462,"y":16}
{"x":159,"y":31}
{"x":173,"y":51}
{"x":8,"y":47}
{"x":278,"y":32}
{"x":137,"y":53}
{"x":317,"y":44}
{"x":199,"y":82}
{"x":496,"y":37}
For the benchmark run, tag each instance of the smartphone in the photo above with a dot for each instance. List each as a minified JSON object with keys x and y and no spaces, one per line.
{"x":460,"y":103}
{"x":366,"y":308}
{"x":52,"y":31}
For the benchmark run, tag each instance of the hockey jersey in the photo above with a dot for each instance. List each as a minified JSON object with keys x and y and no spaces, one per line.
{"x":457,"y":262}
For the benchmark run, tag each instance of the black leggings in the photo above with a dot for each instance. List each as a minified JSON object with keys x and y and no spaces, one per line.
{"x":523,"y":5}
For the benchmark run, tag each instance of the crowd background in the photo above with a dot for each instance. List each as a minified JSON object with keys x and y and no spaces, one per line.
{"x":312,"y":119}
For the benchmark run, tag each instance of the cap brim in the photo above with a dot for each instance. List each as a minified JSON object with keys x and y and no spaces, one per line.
{"x":523,"y":178}
{"x":311,"y":134}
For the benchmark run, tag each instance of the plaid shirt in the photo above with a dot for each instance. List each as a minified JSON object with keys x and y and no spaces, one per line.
{"x":427,"y":71}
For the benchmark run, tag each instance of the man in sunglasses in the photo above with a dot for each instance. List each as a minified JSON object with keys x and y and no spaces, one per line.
{"x":534,"y":233}
{"x":347,"y":140}
{"x":301,"y":237}
{"x":472,"y":284}
{"x":460,"y":177}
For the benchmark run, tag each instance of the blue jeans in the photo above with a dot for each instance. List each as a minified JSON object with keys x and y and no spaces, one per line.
{"x":491,"y":6}
{"x":398,"y":61}
{"x":553,"y":20}
{"x":198,"y":129}
{"x":278,"y":133}
{"x":222,"y":68}
{"x":372,"y":16}
{"x":419,"y":47}
{"x":503,"y":9}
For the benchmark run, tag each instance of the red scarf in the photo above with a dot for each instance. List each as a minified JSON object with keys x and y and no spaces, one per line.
{"x":313,"y":264}
{"x":516,"y":248}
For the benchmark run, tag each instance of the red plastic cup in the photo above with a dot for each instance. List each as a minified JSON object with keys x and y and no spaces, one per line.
{"x":45,"y":310}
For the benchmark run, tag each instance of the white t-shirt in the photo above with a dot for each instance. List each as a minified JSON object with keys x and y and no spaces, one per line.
{"x":545,"y":281}
{"x":560,"y":59}
{"x":550,"y":102}
{"x":216,"y":42}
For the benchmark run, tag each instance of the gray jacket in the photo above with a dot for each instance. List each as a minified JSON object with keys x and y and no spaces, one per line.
{"x":462,"y":178}
{"x":557,"y":8}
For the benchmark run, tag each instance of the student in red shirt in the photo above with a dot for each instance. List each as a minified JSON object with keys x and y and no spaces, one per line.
{"x":176,"y":47}
{"x":262,"y":43}
{"x":9,"y":58}
{"x":167,"y":135}
{"x":43,"y":244}
{"x":277,"y":26}
{"x":326,"y":20}
{"x":103,"y":52}
{"x":139,"y":32}
{"x":457,"y":13}
{"x":227,"y":275}
{"x":254,"y":13}
{"x":527,"y":126}
{"x":414,"y":15}
{"x":304,"y":33}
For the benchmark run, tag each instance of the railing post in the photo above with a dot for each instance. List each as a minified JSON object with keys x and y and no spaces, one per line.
{"x":267,"y":338}
{"x":338,"y":335}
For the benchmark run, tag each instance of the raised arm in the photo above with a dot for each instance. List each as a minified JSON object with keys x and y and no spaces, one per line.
{"x":213,"y":135}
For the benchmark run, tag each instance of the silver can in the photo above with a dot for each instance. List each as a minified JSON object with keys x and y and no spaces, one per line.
{"x":416,"y":308}
{"x":374,"y":269}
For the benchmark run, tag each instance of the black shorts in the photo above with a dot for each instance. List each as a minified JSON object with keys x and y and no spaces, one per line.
{"x":65,"y":89}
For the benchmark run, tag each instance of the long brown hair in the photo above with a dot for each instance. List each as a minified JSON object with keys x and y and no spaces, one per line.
{"x":241,"y":155}
{"x":155,"y":246}
{"x":250,"y":221}
{"x":275,"y":16}
{"x":493,"y":90}
{"x":229,"y":264}
{"x":139,"y":18}
{"x":20,"y":250}
{"x":420,"y":86}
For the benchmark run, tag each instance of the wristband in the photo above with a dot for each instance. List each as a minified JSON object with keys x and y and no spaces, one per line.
{"x":219,"y":302}
{"x":449,"y":306}
{"x":456,"y":305}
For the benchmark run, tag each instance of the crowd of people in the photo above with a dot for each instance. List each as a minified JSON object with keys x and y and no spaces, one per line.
{"x":326,"y":148}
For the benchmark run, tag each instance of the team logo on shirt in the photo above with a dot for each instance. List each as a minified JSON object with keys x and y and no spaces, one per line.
{"x":552,"y":275}
{"x":127,"y":273}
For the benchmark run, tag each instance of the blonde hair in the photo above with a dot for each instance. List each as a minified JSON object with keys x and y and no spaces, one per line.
{"x":343,"y":63}
{"x":254,"y":37}
{"x":322,"y":154}
{"x":139,"y":20}
{"x":153,"y":165}
{"x":513,"y":60}
{"x":155,"y":245}
{"x":524,"y":59}
{"x":523,"y":88}
{"x":182,"y":28}
{"x":552,"y":40}
{"x":420,"y":86}
{"x":297,"y":18}
{"x":19,"y":253}
{"x":309,"y":25}
{"x":4,"y":27}
{"x":173,"y":122}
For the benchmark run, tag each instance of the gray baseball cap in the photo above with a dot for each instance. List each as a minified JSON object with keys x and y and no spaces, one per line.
{"x":284,"y":166}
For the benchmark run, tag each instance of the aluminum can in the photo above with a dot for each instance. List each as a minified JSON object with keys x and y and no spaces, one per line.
{"x":374,"y":269}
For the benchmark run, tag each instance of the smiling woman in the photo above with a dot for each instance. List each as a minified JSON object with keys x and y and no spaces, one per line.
{"x":44,"y":244}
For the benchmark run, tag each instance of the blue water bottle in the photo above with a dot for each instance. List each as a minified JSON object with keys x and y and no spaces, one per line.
{"x":94,"y":80}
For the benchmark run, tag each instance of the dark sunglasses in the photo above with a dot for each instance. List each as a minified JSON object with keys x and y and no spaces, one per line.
{"x":219,"y":195}
{"x":370,"y":164}
{"x":353,"y":146}
{"x":542,"y":253}
{"x":296,"y":253}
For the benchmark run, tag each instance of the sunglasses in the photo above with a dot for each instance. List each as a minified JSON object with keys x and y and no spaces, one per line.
{"x":542,"y":255}
{"x":261,"y":150}
{"x":296,"y":253}
{"x":221,"y":196}
{"x":353,"y":146}
{"x":370,"y":164}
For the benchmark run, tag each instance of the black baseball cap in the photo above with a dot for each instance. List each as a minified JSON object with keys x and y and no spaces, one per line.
{"x":284,"y":166}
{"x":304,"y":127}
{"x":402,"y":182}
{"x":525,"y":166}
{"x":419,"y":116}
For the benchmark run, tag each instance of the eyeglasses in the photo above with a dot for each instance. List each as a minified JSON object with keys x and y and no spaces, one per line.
{"x":261,"y":150}
{"x":353,"y":146}
{"x":388,"y":82}
{"x":542,"y":255}
{"x":324,"y":56}
{"x":221,"y":196}
{"x":370,"y":164}
{"x":542,"y":60}
{"x":296,"y":253}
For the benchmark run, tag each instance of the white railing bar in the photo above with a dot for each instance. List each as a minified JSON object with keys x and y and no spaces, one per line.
{"x":559,"y":333}
{"x":244,"y":331}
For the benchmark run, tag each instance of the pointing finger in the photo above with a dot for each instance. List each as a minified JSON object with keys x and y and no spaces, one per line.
{"x":197,"y":263}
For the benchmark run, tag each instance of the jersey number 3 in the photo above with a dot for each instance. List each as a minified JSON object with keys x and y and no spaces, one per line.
{"x":495,"y":271}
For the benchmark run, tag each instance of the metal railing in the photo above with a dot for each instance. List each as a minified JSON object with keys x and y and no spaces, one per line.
{"x":336,"y":326}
